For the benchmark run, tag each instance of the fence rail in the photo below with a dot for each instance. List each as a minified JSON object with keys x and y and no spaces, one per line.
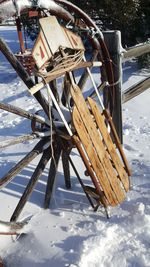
{"x":135,"y":90}
{"x":140,"y":87}
{"x":137,"y":51}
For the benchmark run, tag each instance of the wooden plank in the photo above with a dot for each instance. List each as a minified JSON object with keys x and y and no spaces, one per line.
{"x":96,"y":141}
{"x":54,"y":34}
{"x":90,"y":171}
{"x":100,"y":120}
{"x":41,"y":51}
{"x":117,"y":141}
{"x":74,"y":39}
{"x":136,"y":90}
{"x":137,"y":51}
{"x":93,"y":158}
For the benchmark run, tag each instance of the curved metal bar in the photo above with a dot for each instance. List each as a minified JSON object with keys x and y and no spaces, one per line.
{"x":81,"y":13}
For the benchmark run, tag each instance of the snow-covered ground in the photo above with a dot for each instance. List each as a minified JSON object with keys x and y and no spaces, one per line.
{"x":70,"y":234}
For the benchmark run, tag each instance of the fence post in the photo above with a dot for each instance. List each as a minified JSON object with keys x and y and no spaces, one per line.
{"x":113,"y":42}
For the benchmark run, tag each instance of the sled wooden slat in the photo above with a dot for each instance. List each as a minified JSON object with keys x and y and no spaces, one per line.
{"x":102,"y":198}
{"x":88,"y":131}
{"x":119,"y":146}
{"x":100,"y":120}
{"x":93,"y":158}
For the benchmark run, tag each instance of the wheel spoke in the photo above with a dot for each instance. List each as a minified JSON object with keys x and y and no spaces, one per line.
{"x":17,"y":140}
{"x":23,"y":113}
{"x":52,"y":174}
{"x":24,"y":162}
{"x":22,"y":73}
{"x":32,"y":183}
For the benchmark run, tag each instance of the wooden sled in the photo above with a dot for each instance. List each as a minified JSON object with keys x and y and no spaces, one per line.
{"x":105,"y":161}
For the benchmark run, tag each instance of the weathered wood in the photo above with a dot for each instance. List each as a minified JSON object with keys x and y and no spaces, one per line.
{"x":135,"y":90}
{"x":90,"y":171}
{"x":100,"y":120}
{"x":32,"y":183}
{"x":22,"y":73}
{"x":17,"y":140}
{"x":87,"y":131}
{"x":66,"y":91}
{"x":113,"y":42}
{"x":93,"y":157}
{"x":66,"y":167}
{"x":52,"y":174}
{"x":117,"y":141}
{"x":23,"y":113}
{"x":22,"y":163}
{"x":137,"y":51}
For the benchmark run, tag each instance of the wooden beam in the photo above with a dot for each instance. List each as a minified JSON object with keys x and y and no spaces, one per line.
{"x":32,"y":183}
{"x":113,"y":42}
{"x":22,"y":163}
{"x":137,"y":51}
{"x":135,"y":90}
{"x":17,"y":140}
{"x":23,"y":113}
{"x":22,"y":73}
{"x":52,"y":173}
{"x":66,"y":167}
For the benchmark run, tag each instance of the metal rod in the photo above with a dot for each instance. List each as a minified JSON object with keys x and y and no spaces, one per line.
{"x":20,"y":36}
{"x":94,"y":85}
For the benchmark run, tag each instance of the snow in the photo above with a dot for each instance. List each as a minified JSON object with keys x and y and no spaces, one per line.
{"x":70,"y":234}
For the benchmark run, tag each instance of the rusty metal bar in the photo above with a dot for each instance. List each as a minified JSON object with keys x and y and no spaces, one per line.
{"x":20,"y":36}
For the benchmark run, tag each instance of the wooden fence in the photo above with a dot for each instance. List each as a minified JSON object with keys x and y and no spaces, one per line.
{"x":118,"y":55}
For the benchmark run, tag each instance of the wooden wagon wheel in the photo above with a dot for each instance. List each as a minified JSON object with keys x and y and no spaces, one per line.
{"x":77,"y":21}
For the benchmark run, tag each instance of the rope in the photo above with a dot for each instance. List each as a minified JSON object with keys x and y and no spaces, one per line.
{"x":69,"y":62}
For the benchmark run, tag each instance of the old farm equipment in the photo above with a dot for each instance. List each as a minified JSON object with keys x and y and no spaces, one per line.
{"x":69,"y":118}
